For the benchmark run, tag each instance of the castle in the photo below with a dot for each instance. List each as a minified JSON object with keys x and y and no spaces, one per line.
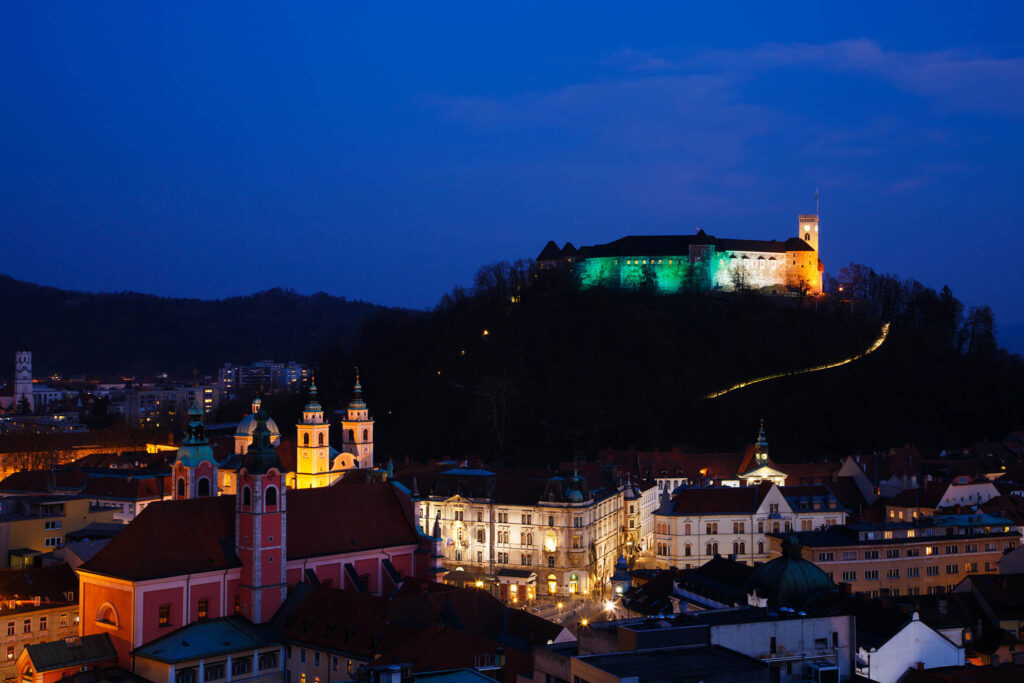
{"x":672,"y":263}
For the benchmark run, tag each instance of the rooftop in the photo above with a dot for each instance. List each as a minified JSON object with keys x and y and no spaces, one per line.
{"x":208,"y":638}
{"x":673,"y":664}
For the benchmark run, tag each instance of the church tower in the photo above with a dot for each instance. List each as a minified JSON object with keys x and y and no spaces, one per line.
{"x":313,"y":456}
{"x":357,"y":437}
{"x":761,"y":448}
{"x":195,"y":469}
{"x":260,"y":527}
{"x":23,"y":380}
{"x":808,"y":230}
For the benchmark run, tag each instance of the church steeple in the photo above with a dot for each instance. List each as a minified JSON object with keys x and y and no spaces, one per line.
{"x":260,"y":522}
{"x":313,"y":452}
{"x":357,"y":434}
{"x":761,"y":447}
{"x":195,"y":468}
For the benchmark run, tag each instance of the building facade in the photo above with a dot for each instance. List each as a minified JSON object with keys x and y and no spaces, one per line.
{"x":922,"y":557}
{"x":672,"y":263}
{"x":698,"y":524}
{"x":533,"y":535}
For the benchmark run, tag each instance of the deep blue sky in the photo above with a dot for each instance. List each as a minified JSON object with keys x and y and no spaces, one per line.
{"x":385,"y":152}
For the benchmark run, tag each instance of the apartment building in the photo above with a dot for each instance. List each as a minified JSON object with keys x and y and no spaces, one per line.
{"x":698,"y":524}
{"x":529,"y":533}
{"x":922,"y":557}
{"x":33,"y":525}
{"x":37,"y":605}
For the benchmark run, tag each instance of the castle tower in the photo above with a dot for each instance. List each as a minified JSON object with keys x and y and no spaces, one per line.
{"x":23,"y":380}
{"x":761,"y":448}
{"x":808,"y":230}
{"x":357,"y":437}
{"x":260,"y":526}
{"x":194,"y":472}
{"x":313,"y":456}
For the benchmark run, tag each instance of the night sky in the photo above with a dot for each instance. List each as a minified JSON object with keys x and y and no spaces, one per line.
{"x":385,"y":153}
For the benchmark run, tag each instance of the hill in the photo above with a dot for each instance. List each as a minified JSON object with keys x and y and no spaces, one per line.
{"x":75,"y":332}
{"x":561,"y":371}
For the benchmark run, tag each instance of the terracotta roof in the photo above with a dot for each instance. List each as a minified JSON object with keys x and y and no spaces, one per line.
{"x":53,"y":584}
{"x":125,"y":488}
{"x":171,"y":538}
{"x":68,"y":652}
{"x":720,"y":500}
{"x":38,"y":481}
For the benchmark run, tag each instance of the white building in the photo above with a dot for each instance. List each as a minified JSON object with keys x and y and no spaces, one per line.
{"x":887,"y":659}
{"x":698,"y":524}
{"x":534,"y":534}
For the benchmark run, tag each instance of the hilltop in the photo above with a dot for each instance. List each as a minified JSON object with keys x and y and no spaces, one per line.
{"x":560,"y":372}
{"x":127,"y":332}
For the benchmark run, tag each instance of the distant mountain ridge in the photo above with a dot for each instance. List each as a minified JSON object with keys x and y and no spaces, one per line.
{"x":127,"y":332}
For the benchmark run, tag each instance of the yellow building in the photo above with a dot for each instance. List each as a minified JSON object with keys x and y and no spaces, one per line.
{"x":37,"y":605}
{"x":32,"y":525}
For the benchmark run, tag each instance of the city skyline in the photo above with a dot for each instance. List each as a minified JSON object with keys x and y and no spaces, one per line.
{"x":385,"y":156}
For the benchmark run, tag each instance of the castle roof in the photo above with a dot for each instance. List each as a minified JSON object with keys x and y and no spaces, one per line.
{"x":679,"y":245}
{"x":172,"y":538}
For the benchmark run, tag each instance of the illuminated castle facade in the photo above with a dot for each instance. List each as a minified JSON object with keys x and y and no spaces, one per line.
{"x":672,"y":263}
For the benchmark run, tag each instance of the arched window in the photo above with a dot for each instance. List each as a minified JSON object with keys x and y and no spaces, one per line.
{"x":305,"y":439}
{"x":366,"y":435}
{"x":351,"y":435}
{"x":743,"y":548}
{"x":246,"y":497}
{"x":760,"y":547}
{"x":203,"y":488}
{"x":271,"y":496}
{"x":775,"y":527}
{"x":707,"y":549}
{"x":320,"y":438}
{"x":735,"y":548}
{"x":181,"y":487}
{"x":687,"y":551}
{"x":479,"y":535}
{"x":107,"y":614}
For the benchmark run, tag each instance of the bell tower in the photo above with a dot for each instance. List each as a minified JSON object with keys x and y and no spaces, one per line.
{"x":23,"y":379}
{"x":260,"y":526}
{"x":195,"y":468}
{"x":808,"y":230}
{"x":313,"y":457}
{"x":761,"y":448}
{"x":357,"y":434}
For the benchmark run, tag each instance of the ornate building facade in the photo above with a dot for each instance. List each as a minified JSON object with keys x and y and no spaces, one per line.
{"x":673,"y":263}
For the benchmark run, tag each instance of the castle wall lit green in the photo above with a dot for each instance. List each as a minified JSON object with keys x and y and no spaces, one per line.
{"x":672,"y":274}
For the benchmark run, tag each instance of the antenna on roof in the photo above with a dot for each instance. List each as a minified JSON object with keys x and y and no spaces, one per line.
{"x":816,"y":211}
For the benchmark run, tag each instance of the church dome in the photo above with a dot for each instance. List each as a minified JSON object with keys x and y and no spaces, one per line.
{"x":789,"y":580}
{"x":248,"y":424}
{"x":195,"y":447}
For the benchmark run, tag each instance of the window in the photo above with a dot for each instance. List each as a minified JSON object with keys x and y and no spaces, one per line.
{"x":52,"y":542}
{"x":181,"y":487}
{"x":10,"y":628}
{"x":849,"y":576}
{"x":213,"y":671}
{"x":348,"y":667}
{"x":711,"y":548}
{"x":551,"y":520}
{"x":43,"y":625}
{"x":576,"y":541}
{"x":870,"y":554}
{"x":26,"y":626}
{"x":186,"y":675}
{"x":826,"y":557}
{"x":241,"y":665}
{"x":687,"y":532}
{"x":931,"y":571}
{"x":204,"y":609}
{"x":913,"y":572}
{"x":551,"y":560}
{"x":316,"y":659}
{"x":760,"y":547}
{"x":686,"y":550}
{"x":805,"y":525}
{"x":913,"y":552}
{"x":952,"y":569}
{"x":302,"y":655}
{"x":892,"y":552}
{"x":760,"y":527}
{"x":871,"y":575}
{"x":527,"y":519}
{"x":246,"y":497}
{"x":320,"y":439}
{"x":952,"y":549}
{"x":203,"y":488}
{"x":238,"y":604}
{"x":10,"y":653}
{"x":849,"y":555}
{"x":53,"y":524}
{"x":271,"y":496}
{"x":773,"y":508}
{"x":164,"y":615}
{"x":893,"y":573}
{"x":711,"y":528}
{"x":334,"y":663}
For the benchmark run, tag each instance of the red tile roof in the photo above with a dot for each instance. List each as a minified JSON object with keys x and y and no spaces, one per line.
{"x":126,"y":488}
{"x":172,"y":538}
{"x":724,"y":500}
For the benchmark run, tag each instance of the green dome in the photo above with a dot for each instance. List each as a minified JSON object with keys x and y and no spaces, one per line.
{"x":195,"y":447}
{"x":789,"y":580}
{"x":261,"y":457}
